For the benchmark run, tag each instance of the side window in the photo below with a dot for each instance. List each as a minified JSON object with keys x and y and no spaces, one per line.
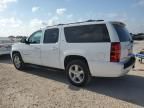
{"x":35,"y":37}
{"x":87,"y":34}
{"x":51,"y":35}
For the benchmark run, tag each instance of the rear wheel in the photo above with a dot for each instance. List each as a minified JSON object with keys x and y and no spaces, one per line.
{"x":78,"y":73}
{"x":18,"y":62}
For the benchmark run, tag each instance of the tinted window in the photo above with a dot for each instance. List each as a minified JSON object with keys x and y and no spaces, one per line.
{"x":87,"y":33}
{"x":122,"y":32}
{"x":51,"y":35}
{"x":35,"y":37}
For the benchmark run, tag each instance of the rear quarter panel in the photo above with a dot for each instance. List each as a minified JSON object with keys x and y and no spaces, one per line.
{"x":93,"y":52}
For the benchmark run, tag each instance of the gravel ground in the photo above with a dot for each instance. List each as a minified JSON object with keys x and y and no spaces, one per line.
{"x":42,"y":88}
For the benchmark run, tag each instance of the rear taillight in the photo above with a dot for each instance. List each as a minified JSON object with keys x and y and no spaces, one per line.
{"x":115,"y":52}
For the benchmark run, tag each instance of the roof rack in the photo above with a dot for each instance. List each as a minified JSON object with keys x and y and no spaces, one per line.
{"x":93,"y":20}
{"x":77,"y":22}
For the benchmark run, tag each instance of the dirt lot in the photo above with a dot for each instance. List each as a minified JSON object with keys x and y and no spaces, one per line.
{"x":42,"y":88}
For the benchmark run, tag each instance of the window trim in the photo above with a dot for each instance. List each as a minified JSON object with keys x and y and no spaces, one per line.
{"x":57,"y":38}
{"x":33,"y":34}
{"x":87,"y":25}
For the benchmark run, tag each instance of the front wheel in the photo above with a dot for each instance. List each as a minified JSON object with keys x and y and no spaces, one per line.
{"x":78,"y":73}
{"x":18,"y":62}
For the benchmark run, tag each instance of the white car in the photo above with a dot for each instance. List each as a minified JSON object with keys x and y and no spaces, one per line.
{"x":82,"y":49}
{"x":5,"y":49}
{"x":5,"y":46}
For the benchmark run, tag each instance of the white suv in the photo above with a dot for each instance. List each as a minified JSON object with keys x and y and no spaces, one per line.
{"x":82,"y":49}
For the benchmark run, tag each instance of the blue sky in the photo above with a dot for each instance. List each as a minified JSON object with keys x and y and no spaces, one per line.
{"x":22,"y":17}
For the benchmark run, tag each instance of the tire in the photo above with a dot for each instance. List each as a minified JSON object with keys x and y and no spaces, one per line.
{"x":78,"y":73}
{"x":18,"y":62}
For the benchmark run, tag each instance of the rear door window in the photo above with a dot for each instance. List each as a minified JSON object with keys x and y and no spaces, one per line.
{"x":122,"y":32}
{"x":87,"y":33}
{"x":51,"y":35}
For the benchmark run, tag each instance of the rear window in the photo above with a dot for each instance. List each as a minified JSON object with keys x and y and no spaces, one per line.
{"x":87,"y":33}
{"x":122,"y":32}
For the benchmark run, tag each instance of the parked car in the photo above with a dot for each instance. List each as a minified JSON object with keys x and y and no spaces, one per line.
{"x":83,"y":50}
{"x":5,"y":46}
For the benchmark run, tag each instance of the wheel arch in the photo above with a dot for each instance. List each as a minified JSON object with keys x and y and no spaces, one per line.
{"x":13,"y":52}
{"x":69,"y":58}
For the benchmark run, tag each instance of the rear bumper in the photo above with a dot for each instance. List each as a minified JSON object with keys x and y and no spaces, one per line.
{"x":110,"y":69}
{"x":129,"y":63}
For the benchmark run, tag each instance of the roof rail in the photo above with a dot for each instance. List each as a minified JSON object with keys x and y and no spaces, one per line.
{"x":93,"y":20}
{"x":84,"y":21}
{"x":77,"y":22}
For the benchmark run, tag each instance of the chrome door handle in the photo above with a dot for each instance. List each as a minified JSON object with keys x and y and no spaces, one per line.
{"x":54,"y":48}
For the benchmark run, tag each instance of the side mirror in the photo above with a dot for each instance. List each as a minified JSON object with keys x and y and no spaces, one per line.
{"x":24,"y":40}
